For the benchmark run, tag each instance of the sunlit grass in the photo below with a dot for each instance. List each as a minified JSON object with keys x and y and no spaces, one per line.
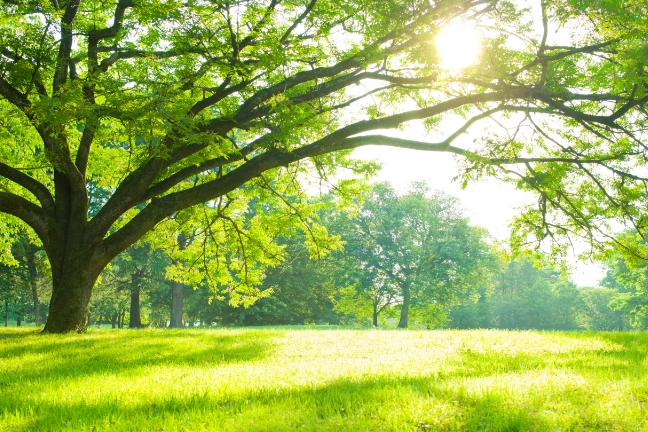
{"x":283,"y":379}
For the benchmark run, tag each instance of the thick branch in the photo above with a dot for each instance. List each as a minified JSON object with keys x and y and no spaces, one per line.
{"x":28,"y":212}
{"x":65,"y":47}
{"x":35,"y":187}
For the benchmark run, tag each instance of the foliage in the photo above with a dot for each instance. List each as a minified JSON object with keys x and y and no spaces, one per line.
{"x":524,"y":297}
{"x":595,"y":312}
{"x":628,"y":274}
{"x":415,"y":250}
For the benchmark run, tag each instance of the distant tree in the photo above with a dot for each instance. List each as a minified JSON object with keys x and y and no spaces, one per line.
{"x":523,"y":297}
{"x":416,"y":250}
{"x":628,"y":275}
{"x":595,"y":312}
{"x":28,"y":255}
{"x":302,"y":289}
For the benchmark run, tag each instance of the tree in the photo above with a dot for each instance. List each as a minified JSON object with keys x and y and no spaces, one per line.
{"x":523,"y":297}
{"x":628,"y":276}
{"x":302,"y":287}
{"x":594,"y":312}
{"x":171,"y":107}
{"x":416,"y":250}
{"x":26,"y":254}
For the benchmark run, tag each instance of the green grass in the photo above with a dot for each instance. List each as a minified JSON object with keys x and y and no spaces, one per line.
{"x":332,"y":380}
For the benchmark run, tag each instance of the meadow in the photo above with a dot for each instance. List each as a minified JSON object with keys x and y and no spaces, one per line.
{"x":276,"y":379}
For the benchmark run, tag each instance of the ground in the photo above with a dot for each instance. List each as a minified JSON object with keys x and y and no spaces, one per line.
{"x":322,"y":379}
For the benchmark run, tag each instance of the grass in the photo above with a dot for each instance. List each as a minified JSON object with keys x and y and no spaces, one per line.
{"x":276,"y":379}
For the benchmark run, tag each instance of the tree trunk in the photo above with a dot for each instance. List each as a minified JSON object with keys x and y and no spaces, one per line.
{"x":404,"y":316}
{"x":100,"y":319}
{"x":375,"y":313}
{"x":31,"y":264}
{"x":71,"y":292}
{"x":6,"y":313}
{"x":113,"y":320}
{"x":177,"y":292}
{"x":122,"y":315}
{"x":135,"y":320}
{"x":18,"y":321}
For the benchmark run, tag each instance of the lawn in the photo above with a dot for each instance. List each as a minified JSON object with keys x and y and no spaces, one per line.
{"x":275,"y":379}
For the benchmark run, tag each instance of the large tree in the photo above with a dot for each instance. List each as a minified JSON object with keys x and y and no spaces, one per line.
{"x":170,"y":105}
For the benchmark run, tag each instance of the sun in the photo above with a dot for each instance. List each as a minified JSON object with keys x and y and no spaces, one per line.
{"x":458,"y":45}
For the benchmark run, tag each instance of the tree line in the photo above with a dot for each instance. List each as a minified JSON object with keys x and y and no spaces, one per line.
{"x":399,"y":260}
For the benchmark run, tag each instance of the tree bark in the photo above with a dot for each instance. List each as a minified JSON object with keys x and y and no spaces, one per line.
{"x":177,"y":293}
{"x":100,"y":319}
{"x":31,"y":264}
{"x":135,"y":319}
{"x":71,"y":291}
{"x":375,"y":313}
{"x":113,"y":320}
{"x":18,"y":321}
{"x":122,"y":315}
{"x":407,"y":299}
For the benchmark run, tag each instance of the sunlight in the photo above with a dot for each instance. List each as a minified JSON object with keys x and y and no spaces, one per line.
{"x":458,"y":45}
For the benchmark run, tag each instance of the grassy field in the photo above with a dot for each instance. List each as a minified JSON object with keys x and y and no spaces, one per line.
{"x":323,"y":380}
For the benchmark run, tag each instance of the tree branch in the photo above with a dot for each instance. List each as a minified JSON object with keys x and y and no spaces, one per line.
{"x":35,"y":187}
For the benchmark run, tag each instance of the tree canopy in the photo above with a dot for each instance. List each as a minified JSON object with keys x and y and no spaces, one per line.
{"x":416,"y":251}
{"x":171,"y":108}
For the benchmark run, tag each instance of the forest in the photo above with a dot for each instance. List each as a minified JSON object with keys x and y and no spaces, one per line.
{"x":398,"y":260}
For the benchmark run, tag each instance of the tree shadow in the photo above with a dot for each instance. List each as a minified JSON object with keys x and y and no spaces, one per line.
{"x":344,"y":405}
{"x":620,"y":355}
{"x":76,"y":356}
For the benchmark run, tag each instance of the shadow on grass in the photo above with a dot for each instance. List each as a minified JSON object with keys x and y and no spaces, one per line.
{"x":74,"y":356}
{"x":624,"y":356}
{"x":377,"y":404}
{"x":436,"y":402}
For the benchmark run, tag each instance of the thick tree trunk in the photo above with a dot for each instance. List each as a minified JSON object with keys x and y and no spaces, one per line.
{"x":18,"y":321}
{"x":135,"y":320}
{"x":177,"y":292}
{"x":113,"y":320}
{"x":71,"y":292}
{"x":31,"y":264}
{"x":407,"y":299}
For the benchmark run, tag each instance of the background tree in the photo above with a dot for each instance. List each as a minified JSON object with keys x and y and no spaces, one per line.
{"x":596,"y":314}
{"x":628,"y":276}
{"x":525,"y":297}
{"x":415,"y":249}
